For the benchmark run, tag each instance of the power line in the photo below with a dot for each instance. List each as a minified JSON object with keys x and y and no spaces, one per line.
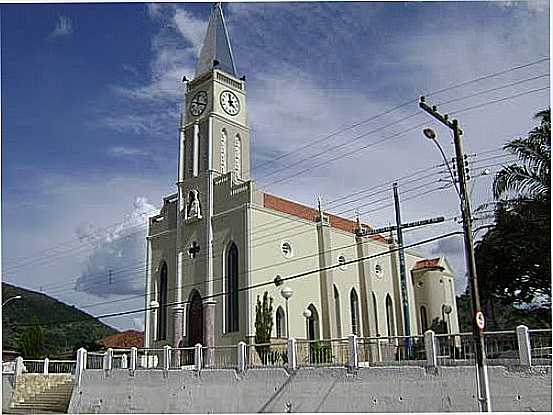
{"x":259,"y":285}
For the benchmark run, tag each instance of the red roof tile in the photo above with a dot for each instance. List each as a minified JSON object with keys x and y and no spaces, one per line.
{"x":428,"y":264}
{"x":126,"y":339}
{"x":305,"y":212}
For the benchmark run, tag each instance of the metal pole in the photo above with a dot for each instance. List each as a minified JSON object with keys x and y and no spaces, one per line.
{"x":402,"y":275}
{"x":483,"y":384}
{"x":287,"y":321}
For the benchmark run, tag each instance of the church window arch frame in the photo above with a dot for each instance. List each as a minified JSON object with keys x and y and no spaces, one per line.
{"x":223,"y":150}
{"x":337,"y":312}
{"x":390,"y":316}
{"x":231,"y":278}
{"x":280,"y":322}
{"x":375,"y":313}
{"x":313,"y":326}
{"x":161,"y":291}
{"x":354,"y":312}
{"x":237,"y":167}
{"x":423,"y":316}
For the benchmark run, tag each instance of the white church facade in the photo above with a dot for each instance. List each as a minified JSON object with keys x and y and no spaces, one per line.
{"x":219,"y":242}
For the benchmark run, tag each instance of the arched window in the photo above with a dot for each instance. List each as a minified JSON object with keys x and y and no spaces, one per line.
{"x":232,"y":288}
{"x":337,"y":312}
{"x":162,"y":300}
{"x":375,"y":310}
{"x":390,"y":316}
{"x":424,"y":319}
{"x":313,"y":324}
{"x":280,"y":322}
{"x":238,"y":156}
{"x":223,"y":151}
{"x":354,"y":305}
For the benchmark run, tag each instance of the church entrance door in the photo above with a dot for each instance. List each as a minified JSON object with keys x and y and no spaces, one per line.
{"x":195,"y":320}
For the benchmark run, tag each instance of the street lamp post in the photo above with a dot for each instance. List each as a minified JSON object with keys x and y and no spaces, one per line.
{"x":16,"y":297}
{"x":287,"y":293}
{"x":477,"y":317}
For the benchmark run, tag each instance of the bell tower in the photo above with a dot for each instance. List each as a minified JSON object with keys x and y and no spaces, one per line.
{"x":214,"y":139}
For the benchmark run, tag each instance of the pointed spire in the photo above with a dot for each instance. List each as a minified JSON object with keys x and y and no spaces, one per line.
{"x":216,"y":50}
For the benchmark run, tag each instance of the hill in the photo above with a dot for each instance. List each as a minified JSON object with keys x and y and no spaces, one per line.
{"x":39,"y":308}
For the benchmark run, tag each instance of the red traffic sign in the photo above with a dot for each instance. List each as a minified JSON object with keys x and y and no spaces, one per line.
{"x":480,"y":321}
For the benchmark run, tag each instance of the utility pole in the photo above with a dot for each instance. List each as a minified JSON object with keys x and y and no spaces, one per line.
{"x":402,"y":274}
{"x":477,"y":315}
{"x":398,"y":227}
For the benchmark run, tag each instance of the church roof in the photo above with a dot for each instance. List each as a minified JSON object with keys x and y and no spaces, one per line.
{"x":216,"y":46}
{"x":428,"y":264}
{"x":305,"y":212}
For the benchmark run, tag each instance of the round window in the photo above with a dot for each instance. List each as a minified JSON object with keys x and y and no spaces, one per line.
{"x":286,"y":249}
{"x":342,"y":262}
{"x":378,"y":270}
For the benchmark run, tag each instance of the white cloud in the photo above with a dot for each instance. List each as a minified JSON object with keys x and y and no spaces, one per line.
{"x":130,"y":152}
{"x":64,"y":27}
{"x":116,"y":264}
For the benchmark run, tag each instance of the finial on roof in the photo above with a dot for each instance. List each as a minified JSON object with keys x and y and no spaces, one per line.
{"x":216,"y":46}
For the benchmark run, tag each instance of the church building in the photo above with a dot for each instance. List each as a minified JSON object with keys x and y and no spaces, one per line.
{"x":219,"y":242}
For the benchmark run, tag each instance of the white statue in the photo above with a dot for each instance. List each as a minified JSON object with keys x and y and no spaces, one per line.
{"x":193,"y":210}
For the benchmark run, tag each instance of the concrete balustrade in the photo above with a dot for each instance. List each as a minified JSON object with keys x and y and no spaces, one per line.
{"x":292,"y":354}
{"x":353,"y":360}
{"x":430,"y":349}
{"x":242,"y":357}
{"x":198,"y":359}
{"x":524,"y":350}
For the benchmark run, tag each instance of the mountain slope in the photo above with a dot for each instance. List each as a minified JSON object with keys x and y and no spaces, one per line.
{"x":37,"y":307}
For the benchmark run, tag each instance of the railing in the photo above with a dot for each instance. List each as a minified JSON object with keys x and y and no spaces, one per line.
{"x":149,"y":359}
{"x":33,"y":366}
{"x":95,"y":360}
{"x":181,"y":358}
{"x":267,"y":355}
{"x":392,"y":350}
{"x":455,"y":349}
{"x":540,"y":345}
{"x":120,"y":358}
{"x":501,"y":347}
{"x":333,"y":352}
{"x":517,"y":347}
{"x":8,"y":367}
{"x":220,"y":357}
{"x":61,"y":366}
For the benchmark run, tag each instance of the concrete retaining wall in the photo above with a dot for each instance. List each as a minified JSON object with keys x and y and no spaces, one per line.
{"x":377,"y":389}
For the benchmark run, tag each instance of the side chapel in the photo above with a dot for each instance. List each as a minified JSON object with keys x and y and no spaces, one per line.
{"x":219,"y":233}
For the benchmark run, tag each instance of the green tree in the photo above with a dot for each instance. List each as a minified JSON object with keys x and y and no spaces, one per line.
{"x":530,"y":177}
{"x":263,"y":319}
{"x":31,"y":343}
{"x":513,"y":258}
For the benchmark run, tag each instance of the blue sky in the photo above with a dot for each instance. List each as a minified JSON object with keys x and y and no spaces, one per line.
{"x":91,"y":95}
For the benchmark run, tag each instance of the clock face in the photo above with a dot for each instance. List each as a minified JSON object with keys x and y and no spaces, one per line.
{"x":198,"y":104}
{"x":230,"y":102}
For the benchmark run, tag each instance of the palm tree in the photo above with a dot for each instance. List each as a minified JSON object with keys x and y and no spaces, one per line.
{"x":529,"y":178}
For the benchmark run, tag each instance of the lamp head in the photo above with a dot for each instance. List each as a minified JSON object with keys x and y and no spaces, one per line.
{"x":154,"y":304}
{"x":287,"y":293}
{"x":307,"y":313}
{"x":447,"y":309}
{"x":429,"y":133}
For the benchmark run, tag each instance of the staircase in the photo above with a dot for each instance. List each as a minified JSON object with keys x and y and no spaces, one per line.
{"x":37,"y":393}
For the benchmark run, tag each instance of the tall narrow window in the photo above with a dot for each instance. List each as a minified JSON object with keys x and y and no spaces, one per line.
{"x":238,"y":156}
{"x":354,"y":304}
{"x":390,"y":316}
{"x":280,"y":322}
{"x":223,"y":151}
{"x":232,"y":288}
{"x":424,"y":319}
{"x":375,"y":310}
{"x":162,"y":300}
{"x":337,"y":312}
